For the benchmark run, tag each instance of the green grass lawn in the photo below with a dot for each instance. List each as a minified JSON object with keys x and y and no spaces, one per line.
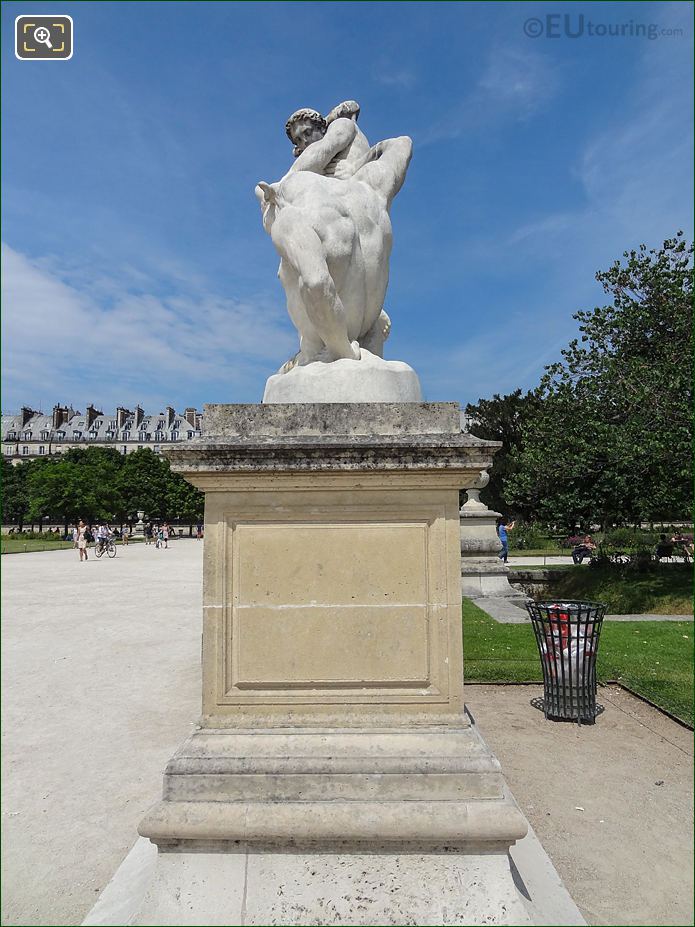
{"x":18,"y":546}
{"x":654,"y":658}
{"x":666,"y":589}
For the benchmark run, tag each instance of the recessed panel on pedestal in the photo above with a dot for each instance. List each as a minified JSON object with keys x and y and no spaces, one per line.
{"x":325,"y":605}
{"x":322,"y":603}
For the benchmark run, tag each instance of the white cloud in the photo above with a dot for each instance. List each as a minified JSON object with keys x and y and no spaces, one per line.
{"x":390,"y":76}
{"x":63,"y":342}
{"x":513,"y":86}
{"x":634,"y":172}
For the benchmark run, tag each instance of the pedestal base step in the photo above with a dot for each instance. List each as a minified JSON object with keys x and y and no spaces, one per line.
{"x":378,"y":887}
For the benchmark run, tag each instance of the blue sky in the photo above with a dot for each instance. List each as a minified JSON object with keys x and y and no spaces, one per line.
{"x":135,"y":265}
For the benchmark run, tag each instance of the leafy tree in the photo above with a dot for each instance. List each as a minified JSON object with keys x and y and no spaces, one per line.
{"x":611,"y":439}
{"x":143,"y":483}
{"x":15,"y":499}
{"x":100,"y":467}
{"x":184,"y":501}
{"x":62,"y":488}
{"x":501,"y":419}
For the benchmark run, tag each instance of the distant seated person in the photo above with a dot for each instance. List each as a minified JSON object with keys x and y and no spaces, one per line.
{"x":664,"y":548}
{"x":681,"y":543}
{"x":584,"y":549}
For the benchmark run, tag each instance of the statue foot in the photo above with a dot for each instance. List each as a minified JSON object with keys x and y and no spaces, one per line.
{"x":327,"y":355}
{"x":290,"y":364}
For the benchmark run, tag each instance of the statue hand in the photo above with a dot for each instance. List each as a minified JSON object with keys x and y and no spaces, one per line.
{"x":343,"y":169}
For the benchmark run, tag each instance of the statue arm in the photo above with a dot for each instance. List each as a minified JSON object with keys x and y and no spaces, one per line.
{"x":316,"y":157}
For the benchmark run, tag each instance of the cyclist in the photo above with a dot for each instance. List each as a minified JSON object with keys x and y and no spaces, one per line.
{"x":103,"y":535}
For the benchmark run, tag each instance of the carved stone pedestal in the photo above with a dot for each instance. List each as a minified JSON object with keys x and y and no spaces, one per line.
{"x":335,"y":777}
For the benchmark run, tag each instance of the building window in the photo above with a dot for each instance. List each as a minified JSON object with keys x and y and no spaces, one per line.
{"x":76,"y":435}
{"x":126,"y":436}
{"x":60,"y":435}
{"x":42,"y":449}
{"x":92,"y":435}
{"x":156,"y":448}
{"x":25,"y":450}
{"x":27,"y":436}
{"x":109,"y":435}
{"x":11,"y":435}
{"x":125,"y":449}
{"x":44,"y":435}
{"x":190,"y":435}
{"x":174,"y":436}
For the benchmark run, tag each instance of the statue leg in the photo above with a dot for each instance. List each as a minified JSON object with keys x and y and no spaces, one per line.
{"x":301,"y":247}
{"x":310,"y":345}
{"x":374,"y":339}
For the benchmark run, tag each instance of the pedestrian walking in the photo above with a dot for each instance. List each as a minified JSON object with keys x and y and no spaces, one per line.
{"x":125,"y":535}
{"x":81,"y":539}
{"x":165,"y":535}
{"x":502,"y":530}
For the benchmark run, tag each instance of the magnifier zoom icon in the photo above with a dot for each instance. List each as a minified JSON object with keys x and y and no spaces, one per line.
{"x":43,"y":35}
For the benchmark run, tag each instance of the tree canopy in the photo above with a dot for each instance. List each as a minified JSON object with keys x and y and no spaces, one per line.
{"x":95,"y":483}
{"x":610,"y":438}
{"x":502,"y":419}
{"x":606,"y":436}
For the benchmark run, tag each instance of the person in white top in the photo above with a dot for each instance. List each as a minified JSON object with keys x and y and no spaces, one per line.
{"x":103,"y":535}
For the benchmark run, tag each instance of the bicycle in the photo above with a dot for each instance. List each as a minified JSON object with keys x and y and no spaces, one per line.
{"x":109,"y":548}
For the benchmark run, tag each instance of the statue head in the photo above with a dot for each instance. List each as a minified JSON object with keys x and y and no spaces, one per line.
{"x":304,"y":127}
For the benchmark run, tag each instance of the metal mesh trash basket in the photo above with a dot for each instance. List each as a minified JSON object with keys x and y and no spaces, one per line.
{"x":567,"y":635}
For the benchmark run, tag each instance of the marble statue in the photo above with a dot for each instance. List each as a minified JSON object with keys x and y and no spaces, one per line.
{"x":328,"y":218}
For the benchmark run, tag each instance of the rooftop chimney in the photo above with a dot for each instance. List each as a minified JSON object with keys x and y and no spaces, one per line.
{"x":60,"y":415}
{"x":27,"y":413}
{"x":92,"y":414}
{"x":122,"y":416}
{"x":190,"y":415}
{"x":171,"y":415}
